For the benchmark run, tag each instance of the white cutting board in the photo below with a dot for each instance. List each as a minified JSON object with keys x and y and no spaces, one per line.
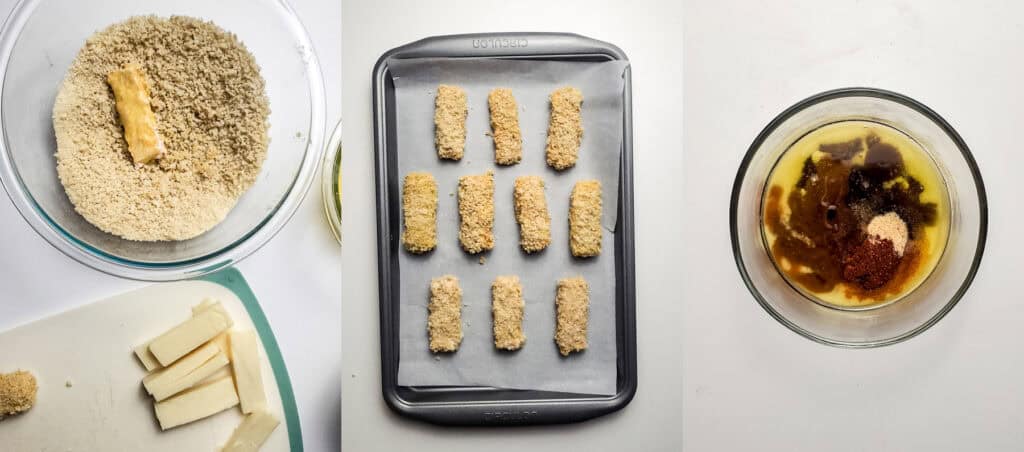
{"x":105,"y":407}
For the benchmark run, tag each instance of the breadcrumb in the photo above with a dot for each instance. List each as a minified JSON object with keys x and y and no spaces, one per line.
{"x":585,"y":219}
{"x":532,"y":213}
{"x":444,"y":322}
{"x":572,"y":303}
{"x":17,"y":393}
{"x":211,"y":110}
{"x":507,"y":309}
{"x":476,"y":211}
{"x":419,"y":208}
{"x":450,"y":111}
{"x":508,"y":139}
{"x":565,"y":131}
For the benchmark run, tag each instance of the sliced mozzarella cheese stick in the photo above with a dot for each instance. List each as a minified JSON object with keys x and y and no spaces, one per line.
{"x":189,"y":335}
{"x":196,"y":404}
{"x":245,"y":362}
{"x":252,"y":432}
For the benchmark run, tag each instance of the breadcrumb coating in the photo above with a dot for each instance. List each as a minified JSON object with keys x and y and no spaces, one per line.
{"x":585,"y":219}
{"x":507,"y":309}
{"x":565,"y":130}
{"x":419,"y":207}
{"x":572,"y":303}
{"x":444,"y":322}
{"x":476,"y":211}
{"x":508,"y":139}
{"x":17,"y":393}
{"x":532,"y":213}
{"x":450,"y":111}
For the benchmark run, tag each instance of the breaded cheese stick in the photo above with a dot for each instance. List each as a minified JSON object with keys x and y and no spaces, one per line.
{"x":572,"y":305}
{"x":585,"y":219}
{"x":507,"y":309}
{"x":476,"y":211}
{"x":444,"y":322}
{"x":532,"y":213}
{"x":565,"y":131}
{"x":17,"y":392}
{"x":419,"y":208}
{"x":135,"y":111}
{"x":450,"y":112}
{"x":508,"y":139}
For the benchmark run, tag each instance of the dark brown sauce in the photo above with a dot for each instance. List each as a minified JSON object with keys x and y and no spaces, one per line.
{"x":830,"y":206}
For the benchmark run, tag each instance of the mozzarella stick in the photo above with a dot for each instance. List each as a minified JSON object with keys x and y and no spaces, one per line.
{"x":507,"y":308}
{"x":572,"y":303}
{"x":532,"y":213}
{"x":585,"y":219}
{"x":508,"y":139}
{"x":450,"y":112}
{"x":419,"y":208}
{"x":444,"y":322}
{"x":565,"y":131}
{"x":476,"y":211}
{"x":135,"y":111}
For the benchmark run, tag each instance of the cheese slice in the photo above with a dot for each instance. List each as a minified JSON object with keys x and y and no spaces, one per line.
{"x":150,"y":362}
{"x":223,"y":372}
{"x":167,"y":388}
{"x":245,"y":362}
{"x":223,"y":341}
{"x":181,"y":368}
{"x":196,"y":403}
{"x":189,"y":335}
{"x":146,"y":358}
{"x":207,"y":303}
{"x":252,"y":432}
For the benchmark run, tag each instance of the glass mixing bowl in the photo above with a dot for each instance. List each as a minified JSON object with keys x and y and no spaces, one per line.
{"x":925,"y":305}
{"x":331,"y":182}
{"x":39,"y":41}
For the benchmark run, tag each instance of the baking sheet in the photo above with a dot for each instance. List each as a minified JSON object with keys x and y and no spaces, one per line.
{"x":537,"y":366}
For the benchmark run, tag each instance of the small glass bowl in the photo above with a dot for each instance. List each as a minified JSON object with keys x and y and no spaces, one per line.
{"x":39,"y":41}
{"x":331,"y":182}
{"x":916,"y":311}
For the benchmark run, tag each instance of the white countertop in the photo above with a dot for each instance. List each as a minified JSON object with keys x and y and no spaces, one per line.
{"x":750,"y":383}
{"x":650,"y":34}
{"x":303,"y":306}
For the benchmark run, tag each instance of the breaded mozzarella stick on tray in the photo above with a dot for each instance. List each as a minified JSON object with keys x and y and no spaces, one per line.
{"x":508,"y":139}
{"x":585,"y":219}
{"x":476,"y":212}
{"x":507,"y":309}
{"x":450,"y":111}
{"x":419,"y":210}
{"x":444,"y":321}
{"x":532,"y":213}
{"x":565,"y":130}
{"x":572,"y":306}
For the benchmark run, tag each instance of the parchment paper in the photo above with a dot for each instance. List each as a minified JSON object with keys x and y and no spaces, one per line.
{"x":538,"y":365}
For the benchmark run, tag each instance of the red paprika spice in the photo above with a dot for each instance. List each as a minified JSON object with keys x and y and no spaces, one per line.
{"x":871,"y":264}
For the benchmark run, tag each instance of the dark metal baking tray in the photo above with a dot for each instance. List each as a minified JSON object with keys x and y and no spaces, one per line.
{"x":474,"y":405}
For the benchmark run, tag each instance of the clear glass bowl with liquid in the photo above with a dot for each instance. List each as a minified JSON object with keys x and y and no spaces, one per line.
{"x":331,"y":182}
{"x":884,"y":323}
{"x":39,"y":41}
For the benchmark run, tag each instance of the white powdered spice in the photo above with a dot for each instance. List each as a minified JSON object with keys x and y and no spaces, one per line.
{"x":890,"y":227}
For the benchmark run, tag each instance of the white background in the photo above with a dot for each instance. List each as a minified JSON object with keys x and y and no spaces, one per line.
{"x":296,"y":276}
{"x":751,"y":384}
{"x":650,"y":33}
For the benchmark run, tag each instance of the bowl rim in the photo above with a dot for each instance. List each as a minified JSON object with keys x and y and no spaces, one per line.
{"x":226,"y":255}
{"x":330,"y":186}
{"x":887,"y":95}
